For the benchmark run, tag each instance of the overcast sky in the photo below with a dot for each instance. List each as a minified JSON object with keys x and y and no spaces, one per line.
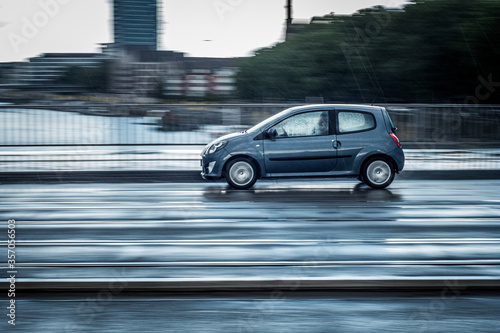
{"x":205,"y":28}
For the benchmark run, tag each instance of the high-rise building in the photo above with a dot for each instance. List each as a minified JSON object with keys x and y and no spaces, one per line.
{"x":136,"y":22}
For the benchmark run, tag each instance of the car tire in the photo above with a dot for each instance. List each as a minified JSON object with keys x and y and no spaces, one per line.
{"x":241,"y":173}
{"x":378,"y":172}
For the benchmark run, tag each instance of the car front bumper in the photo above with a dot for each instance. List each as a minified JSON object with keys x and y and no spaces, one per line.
{"x":212,"y":165}
{"x":207,"y":170}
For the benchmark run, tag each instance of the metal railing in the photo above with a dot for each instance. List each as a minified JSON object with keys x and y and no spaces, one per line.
{"x":162,"y":137}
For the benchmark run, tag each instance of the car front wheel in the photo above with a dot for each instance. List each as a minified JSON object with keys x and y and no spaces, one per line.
{"x":241,"y":174}
{"x":378,"y":173}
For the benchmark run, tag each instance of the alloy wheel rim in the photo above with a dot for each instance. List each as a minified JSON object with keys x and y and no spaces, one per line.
{"x":379,"y":172}
{"x":241,"y":173}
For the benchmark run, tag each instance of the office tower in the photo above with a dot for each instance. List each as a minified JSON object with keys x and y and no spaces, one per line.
{"x":136,"y":22}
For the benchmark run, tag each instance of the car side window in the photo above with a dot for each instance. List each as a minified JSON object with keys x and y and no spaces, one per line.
{"x":352,"y":121}
{"x":304,"y":124}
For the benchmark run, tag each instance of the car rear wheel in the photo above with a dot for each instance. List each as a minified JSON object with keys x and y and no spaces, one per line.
{"x":241,"y":173}
{"x":378,"y":173}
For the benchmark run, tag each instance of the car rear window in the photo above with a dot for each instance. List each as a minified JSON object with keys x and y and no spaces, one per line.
{"x":354,"y":121}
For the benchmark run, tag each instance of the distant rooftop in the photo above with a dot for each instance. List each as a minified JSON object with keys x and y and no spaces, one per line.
{"x":209,"y":63}
{"x":69,"y":55}
{"x":144,"y":53}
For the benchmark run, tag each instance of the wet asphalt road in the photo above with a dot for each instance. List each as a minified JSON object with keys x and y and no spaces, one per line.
{"x":277,"y":311}
{"x":292,"y":232}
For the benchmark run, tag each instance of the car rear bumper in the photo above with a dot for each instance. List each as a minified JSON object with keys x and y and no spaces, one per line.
{"x":399,"y":157}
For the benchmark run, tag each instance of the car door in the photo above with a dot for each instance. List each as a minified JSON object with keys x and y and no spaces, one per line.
{"x":355,"y":132}
{"x":301,"y":143}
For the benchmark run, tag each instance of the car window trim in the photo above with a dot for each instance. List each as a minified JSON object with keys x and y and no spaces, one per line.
{"x":337,"y":128}
{"x":331,"y":124}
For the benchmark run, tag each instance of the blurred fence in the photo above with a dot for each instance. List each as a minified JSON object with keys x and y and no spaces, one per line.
{"x":118,"y":124}
{"x":160,"y":137}
{"x":436,"y":126}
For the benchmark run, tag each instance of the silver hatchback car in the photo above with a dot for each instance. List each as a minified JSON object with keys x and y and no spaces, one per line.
{"x":310,"y":141}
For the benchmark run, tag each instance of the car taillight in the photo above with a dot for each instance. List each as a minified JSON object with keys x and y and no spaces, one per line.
{"x":395,"y":138}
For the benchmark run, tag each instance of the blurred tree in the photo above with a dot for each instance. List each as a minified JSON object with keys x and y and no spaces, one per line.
{"x":432,"y":51}
{"x":92,"y":78}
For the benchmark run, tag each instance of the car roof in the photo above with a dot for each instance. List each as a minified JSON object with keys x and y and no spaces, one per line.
{"x":312,"y":107}
{"x":337,"y":107}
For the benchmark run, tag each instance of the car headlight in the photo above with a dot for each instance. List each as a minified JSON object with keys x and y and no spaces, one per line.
{"x":216,"y":147}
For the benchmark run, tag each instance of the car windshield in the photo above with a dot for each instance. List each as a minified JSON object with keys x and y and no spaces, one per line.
{"x":266,"y":122}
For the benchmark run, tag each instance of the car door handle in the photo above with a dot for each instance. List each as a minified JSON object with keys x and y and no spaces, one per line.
{"x":336,"y":144}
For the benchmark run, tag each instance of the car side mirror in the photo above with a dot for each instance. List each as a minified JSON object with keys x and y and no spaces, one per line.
{"x":271,"y":133}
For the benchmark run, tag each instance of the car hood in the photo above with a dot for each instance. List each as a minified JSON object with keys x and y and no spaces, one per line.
{"x":228,"y":137}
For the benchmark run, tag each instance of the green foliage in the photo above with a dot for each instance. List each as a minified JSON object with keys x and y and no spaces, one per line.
{"x":92,"y":78}
{"x":432,"y":51}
